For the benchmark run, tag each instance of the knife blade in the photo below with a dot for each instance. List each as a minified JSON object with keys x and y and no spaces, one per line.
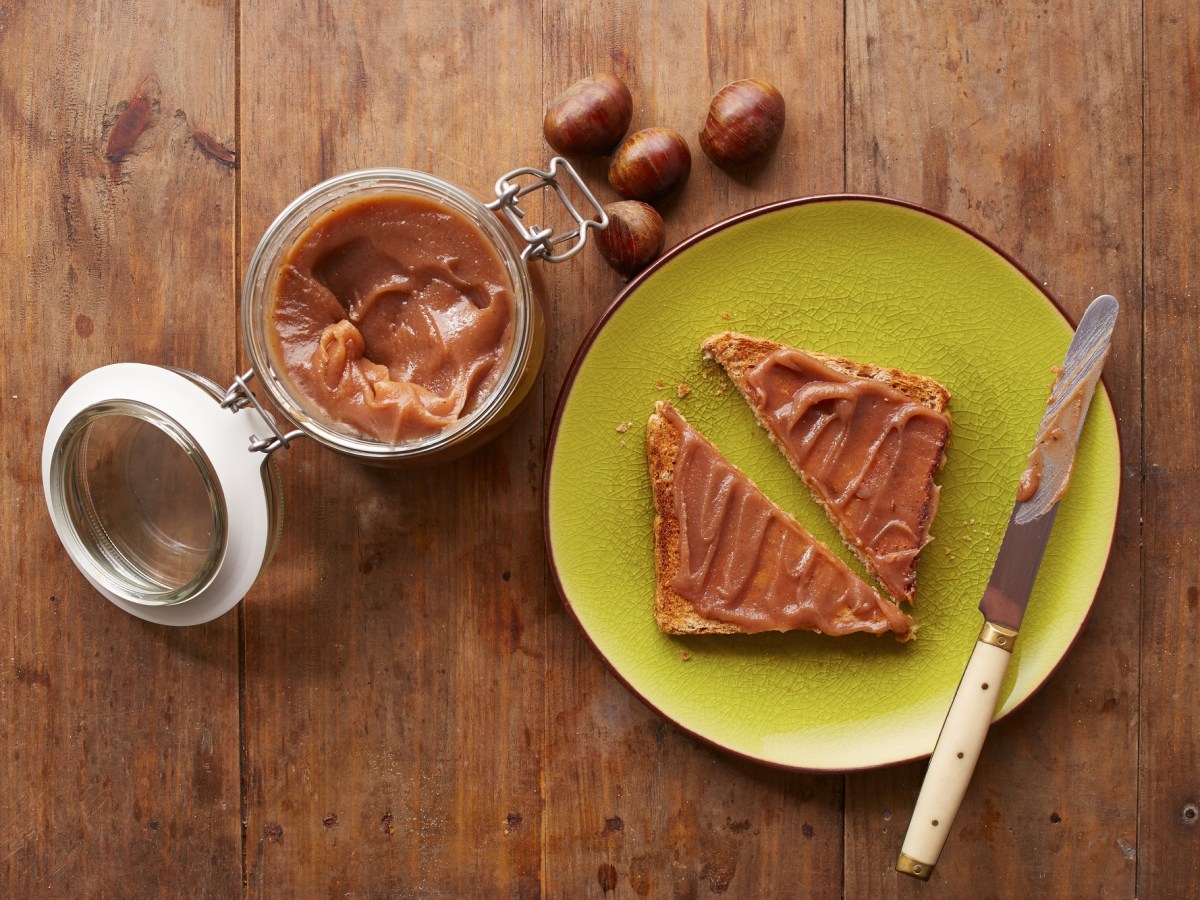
{"x":1042,"y":485}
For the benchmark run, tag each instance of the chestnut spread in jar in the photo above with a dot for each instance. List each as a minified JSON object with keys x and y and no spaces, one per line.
{"x":392,"y":315}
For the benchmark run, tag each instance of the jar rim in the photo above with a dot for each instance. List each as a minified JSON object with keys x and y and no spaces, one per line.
{"x":85,"y":529}
{"x":279,"y":238}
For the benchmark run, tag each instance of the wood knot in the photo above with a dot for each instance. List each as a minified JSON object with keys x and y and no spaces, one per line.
{"x":132,"y":121}
{"x":607,"y":876}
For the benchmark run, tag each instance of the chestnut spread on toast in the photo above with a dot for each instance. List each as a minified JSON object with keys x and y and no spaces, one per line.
{"x":866,"y":440}
{"x":728,"y":560}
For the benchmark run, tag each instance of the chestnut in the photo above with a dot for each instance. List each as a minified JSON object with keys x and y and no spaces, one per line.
{"x":650,"y":164}
{"x":633,"y":238}
{"x":745,"y":119}
{"x":590,"y":117}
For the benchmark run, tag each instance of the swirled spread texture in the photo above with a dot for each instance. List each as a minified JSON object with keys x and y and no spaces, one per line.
{"x":392,"y":315}
{"x":868,"y":451}
{"x":744,"y":561}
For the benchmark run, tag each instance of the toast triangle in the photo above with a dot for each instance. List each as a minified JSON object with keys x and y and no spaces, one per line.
{"x":890,"y":555}
{"x":854,"y":606}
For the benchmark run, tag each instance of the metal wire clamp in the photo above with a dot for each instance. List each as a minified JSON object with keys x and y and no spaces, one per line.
{"x":239,"y":397}
{"x":540,"y":242}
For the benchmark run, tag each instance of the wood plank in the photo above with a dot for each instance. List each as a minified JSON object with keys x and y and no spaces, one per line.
{"x":633,"y":805}
{"x":1022,"y":121}
{"x":1169,"y":782}
{"x":422,"y":717}
{"x":394,"y":648}
{"x":119,"y":739}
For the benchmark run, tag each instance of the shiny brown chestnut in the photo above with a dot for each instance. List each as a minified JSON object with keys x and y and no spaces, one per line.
{"x":650,"y":164}
{"x":634,"y":236}
{"x":590,"y":117}
{"x":745,"y":119}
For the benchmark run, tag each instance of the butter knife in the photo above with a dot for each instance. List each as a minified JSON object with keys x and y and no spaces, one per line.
{"x":1004,"y":600}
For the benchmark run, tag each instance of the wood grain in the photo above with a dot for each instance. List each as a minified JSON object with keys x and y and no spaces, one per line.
{"x":402,"y":707}
{"x":118,"y":739}
{"x":393,"y":650}
{"x":633,"y":805}
{"x":977,"y":111}
{"x":1169,"y":739}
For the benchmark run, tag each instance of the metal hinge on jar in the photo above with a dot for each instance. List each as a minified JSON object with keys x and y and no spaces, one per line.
{"x":540,"y":242}
{"x":239,"y":396}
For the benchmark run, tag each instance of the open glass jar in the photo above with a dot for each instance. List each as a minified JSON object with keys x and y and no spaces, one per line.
{"x":162,"y":486}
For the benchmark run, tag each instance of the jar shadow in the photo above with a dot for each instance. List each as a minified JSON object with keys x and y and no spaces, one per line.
{"x":389,"y":560}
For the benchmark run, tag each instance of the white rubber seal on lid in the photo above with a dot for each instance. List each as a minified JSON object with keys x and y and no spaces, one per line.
{"x":219,"y":438}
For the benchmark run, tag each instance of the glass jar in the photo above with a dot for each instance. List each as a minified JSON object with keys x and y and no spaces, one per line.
{"x":520,"y":366}
{"x":162,"y":487}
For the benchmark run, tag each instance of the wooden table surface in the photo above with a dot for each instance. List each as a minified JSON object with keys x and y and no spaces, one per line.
{"x":402,"y":706}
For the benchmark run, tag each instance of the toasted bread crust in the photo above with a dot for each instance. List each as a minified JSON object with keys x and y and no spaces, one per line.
{"x":739,"y":353}
{"x":673,"y":613}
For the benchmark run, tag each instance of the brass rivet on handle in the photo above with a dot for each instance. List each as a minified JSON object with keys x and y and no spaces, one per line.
{"x":909,"y":866}
{"x":998,"y":636}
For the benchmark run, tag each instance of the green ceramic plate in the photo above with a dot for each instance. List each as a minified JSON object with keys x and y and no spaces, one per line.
{"x":873,"y":280}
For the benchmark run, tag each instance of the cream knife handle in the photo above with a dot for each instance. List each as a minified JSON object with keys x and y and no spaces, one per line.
{"x":957,"y":751}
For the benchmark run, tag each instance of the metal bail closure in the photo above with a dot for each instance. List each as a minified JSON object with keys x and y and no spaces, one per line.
{"x":157,"y":493}
{"x":540,"y":242}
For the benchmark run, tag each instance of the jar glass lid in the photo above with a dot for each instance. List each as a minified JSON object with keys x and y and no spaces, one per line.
{"x":142,"y":500}
{"x":157,"y":491}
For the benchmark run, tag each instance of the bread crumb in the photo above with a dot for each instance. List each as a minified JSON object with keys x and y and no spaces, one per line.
{"x":624,"y":427}
{"x":725,"y":316}
{"x":684,"y":655}
{"x":621,"y":443}
{"x":659,"y":385}
{"x":683,"y":390}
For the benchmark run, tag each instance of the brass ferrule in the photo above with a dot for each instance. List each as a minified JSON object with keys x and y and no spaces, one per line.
{"x":915,"y":868}
{"x":998,"y":636}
